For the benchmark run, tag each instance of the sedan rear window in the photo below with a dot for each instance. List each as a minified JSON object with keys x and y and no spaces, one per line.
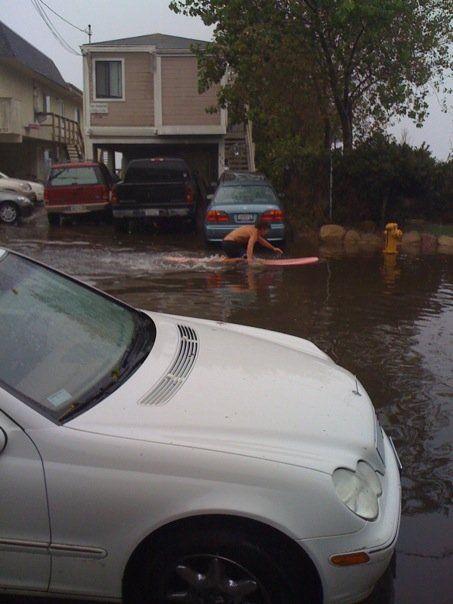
{"x":253,"y":194}
{"x":63,"y":345}
{"x":83,"y":175}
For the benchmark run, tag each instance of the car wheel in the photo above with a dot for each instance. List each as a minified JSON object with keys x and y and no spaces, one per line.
{"x":9,"y":212}
{"x":54,"y":219}
{"x":221,"y":566}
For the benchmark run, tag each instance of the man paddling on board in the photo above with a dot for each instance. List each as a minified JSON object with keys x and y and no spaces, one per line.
{"x":242,"y":241}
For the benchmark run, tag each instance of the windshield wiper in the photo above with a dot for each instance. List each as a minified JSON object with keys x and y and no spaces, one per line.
{"x":133,"y":356}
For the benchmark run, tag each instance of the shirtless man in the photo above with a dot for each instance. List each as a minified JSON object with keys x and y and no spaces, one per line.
{"x":242,"y":241}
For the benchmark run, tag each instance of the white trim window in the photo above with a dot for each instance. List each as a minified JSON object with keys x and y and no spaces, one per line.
{"x":108,"y":79}
{"x":46,"y":103}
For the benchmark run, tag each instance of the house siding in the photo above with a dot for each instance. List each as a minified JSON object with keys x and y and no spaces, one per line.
{"x":138,"y":107}
{"x":182,"y":105}
{"x":28,"y":94}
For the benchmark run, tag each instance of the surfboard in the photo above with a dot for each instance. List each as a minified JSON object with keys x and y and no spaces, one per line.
{"x":290,"y":261}
{"x":260,"y":262}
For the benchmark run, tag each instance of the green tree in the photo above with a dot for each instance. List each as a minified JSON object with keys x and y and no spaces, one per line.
{"x":355,"y":63}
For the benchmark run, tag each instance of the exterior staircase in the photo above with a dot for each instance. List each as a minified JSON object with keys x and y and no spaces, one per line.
{"x":74,"y":152}
{"x":65,"y":133}
{"x":239,"y":148}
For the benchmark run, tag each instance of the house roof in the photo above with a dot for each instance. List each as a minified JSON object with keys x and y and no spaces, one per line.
{"x":12,"y":46}
{"x":161,"y":41}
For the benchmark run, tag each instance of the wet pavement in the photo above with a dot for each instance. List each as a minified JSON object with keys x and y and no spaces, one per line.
{"x":389,"y":321}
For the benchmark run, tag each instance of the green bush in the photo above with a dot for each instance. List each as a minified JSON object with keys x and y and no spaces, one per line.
{"x":378,"y":180}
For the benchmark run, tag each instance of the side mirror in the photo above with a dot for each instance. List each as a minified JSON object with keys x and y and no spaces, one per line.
{"x":3,"y":439}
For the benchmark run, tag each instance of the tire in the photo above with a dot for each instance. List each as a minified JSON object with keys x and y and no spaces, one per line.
{"x":54,"y":219}
{"x":9,"y":213}
{"x":120,"y":225}
{"x":227,"y":565}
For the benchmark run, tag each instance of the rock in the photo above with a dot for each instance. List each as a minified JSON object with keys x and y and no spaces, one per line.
{"x":352,"y":237}
{"x":445,"y":241}
{"x":411,"y":238}
{"x":331,"y":233}
{"x":371,"y":240}
{"x":429,"y":242}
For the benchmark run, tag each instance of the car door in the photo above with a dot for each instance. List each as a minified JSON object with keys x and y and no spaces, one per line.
{"x":24,"y":520}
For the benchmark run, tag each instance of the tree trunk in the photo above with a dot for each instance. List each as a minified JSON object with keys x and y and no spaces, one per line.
{"x":346,"y":128}
{"x":327,"y":135}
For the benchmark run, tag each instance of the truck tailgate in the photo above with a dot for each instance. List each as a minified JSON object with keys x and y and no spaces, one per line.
{"x":157,"y":194}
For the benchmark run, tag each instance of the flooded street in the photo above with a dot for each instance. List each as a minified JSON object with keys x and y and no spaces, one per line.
{"x":389,"y":322}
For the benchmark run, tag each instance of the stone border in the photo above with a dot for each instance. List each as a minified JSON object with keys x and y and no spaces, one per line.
{"x":337,"y":235}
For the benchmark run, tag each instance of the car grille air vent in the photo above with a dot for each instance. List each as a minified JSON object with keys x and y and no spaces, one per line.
{"x":178,"y":371}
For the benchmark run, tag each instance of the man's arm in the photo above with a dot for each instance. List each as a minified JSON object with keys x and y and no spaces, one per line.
{"x":250,"y":247}
{"x":269,"y":246}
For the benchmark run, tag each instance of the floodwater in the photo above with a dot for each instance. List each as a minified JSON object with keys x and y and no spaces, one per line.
{"x":389,"y":321}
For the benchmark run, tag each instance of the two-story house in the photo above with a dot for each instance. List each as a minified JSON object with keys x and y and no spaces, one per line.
{"x":141,"y":99}
{"x":40,"y":113}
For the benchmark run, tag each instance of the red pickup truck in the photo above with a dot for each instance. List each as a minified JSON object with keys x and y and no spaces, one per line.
{"x":77,"y":188}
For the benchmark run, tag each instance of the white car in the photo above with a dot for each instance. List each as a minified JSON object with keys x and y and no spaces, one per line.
{"x":22,"y":186}
{"x":156,"y":458}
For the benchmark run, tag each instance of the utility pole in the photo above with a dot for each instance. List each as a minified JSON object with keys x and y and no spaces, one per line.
{"x":89,"y":34}
{"x":330,"y":183}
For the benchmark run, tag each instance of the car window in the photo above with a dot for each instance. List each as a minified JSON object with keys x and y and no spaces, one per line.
{"x":63,"y":344}
{"x":156,"y":171}
{"x":253,"y":194}
{"x":83,"y":175}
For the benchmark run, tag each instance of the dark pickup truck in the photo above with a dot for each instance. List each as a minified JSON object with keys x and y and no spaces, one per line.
{"x":154,"y":189}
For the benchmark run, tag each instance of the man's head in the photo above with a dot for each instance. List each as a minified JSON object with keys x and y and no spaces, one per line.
{"x":261,"y":225}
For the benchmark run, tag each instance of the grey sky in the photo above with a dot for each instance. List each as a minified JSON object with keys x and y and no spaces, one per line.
{"x":123,"y":18}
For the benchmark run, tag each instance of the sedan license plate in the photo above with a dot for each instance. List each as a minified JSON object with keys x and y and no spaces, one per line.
{"x":245,"y":218}
{"x":77,"y":209}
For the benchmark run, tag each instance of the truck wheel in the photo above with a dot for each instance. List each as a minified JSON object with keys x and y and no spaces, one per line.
{"x":120,"y":225}
{"x":54,"y":219}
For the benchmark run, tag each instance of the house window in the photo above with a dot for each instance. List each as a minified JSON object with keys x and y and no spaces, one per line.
{"x":108,"y":79}
{"x":60,"y":107}
{"x":46,"y":103}
{"x":77,"y":114}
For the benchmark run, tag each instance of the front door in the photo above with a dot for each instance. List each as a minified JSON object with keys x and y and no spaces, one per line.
{"x":24,"y":520}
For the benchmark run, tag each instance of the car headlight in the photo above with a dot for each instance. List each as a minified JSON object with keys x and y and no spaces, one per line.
{"x":359,"y":490}
{"x":25,"y":187}
{"x":23,"y":199}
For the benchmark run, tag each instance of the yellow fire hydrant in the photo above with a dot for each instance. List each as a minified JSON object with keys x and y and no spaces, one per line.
{"x":392,"y":236}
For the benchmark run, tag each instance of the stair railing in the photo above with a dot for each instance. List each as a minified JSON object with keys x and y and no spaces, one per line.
{"x":65,"y":131}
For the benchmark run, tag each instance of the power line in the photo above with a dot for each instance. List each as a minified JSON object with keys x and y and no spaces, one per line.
{"x":41,"y":12}
{"x":84,"y":31}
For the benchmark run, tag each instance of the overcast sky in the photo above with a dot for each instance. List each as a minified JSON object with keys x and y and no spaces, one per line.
{"x":111,"y":19}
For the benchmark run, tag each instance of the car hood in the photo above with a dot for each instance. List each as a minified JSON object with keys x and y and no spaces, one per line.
{"x":14,"y":184}
{"x":243,"y":391}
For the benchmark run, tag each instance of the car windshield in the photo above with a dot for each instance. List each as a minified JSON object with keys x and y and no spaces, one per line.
{"x":63,"y":345}
{"x":83,"y":175}
{"x":253,"y":194}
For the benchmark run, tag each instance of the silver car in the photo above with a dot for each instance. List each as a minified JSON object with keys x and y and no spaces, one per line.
{"x":156,"y":458}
